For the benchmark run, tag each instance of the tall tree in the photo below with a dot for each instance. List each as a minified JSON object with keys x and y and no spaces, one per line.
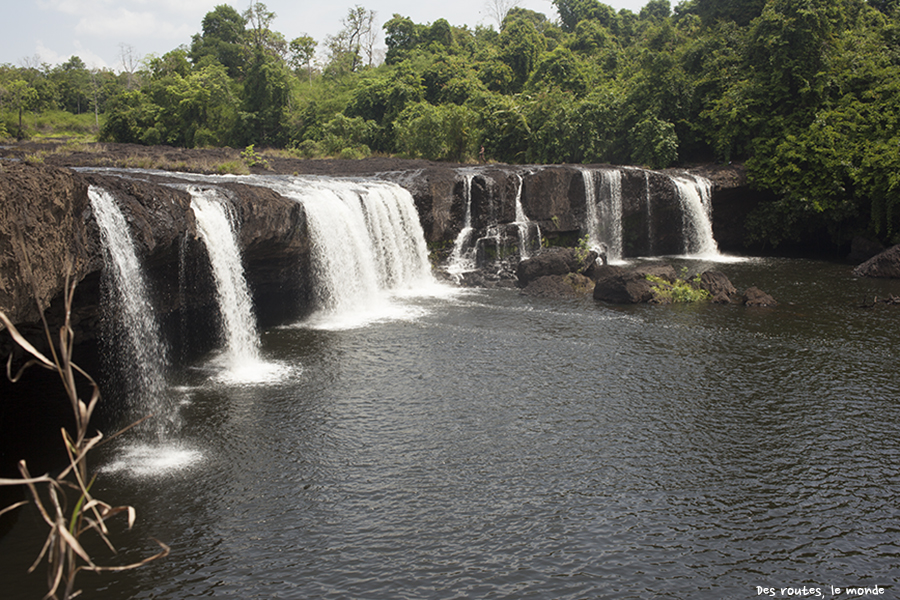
{"x":222,"y":39}
{"x":497,"y":9}
{"x":20,"y":96}
{"x":303,"y":50}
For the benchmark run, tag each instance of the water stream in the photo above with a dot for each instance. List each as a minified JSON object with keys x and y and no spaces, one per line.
{"x":139,"y":351}
{"x":235,"y":304}
{"x":462,"y":258}
{"x":694,"y":195}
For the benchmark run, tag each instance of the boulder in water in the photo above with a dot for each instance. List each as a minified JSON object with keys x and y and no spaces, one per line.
{"x":754,"y":296}
{"x":554,"y":261}
{"x":718,"y":286}
{"x":884,"y":265}
{"x":558,"y":286}
{"x":631,"y":286}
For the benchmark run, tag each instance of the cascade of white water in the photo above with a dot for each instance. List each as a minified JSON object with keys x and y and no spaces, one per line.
{"x":694,"y":194}
{"x":462,"y":258}
{"x":366,"y":240}
{"x":235,"y":304}
{"x":523,"y":223}
{"x":142,"y":357}
{"x":648,"y":206}
{"x":604,"y":214}
{"x":611,"y":213}
{"x":590,"y":202}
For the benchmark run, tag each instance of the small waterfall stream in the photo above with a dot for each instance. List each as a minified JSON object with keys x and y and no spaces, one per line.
{"x":462,"y":258}
{"x":235,"y":304}
{"x":604,"y":213}
{"x":694,"y":194}
{"x":611,"y":213}
{"x":524,"y":224}
{"x":142,"y":355}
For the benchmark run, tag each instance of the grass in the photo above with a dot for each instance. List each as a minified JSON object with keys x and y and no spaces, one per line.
{"x":682,"y":290}
{"x":64,"y":501}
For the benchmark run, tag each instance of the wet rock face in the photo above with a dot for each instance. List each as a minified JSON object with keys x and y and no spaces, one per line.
{"x":47,"y":229}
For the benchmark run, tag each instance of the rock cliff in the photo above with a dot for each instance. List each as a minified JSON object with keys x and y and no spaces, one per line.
{"x":47,"y":229}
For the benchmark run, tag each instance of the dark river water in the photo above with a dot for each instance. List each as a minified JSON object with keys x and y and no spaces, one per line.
{"x":482,"y":444}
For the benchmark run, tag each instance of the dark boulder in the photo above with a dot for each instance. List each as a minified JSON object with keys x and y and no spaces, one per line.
{"x":554,"y":261}
{"x":756,"y":297}
{"x":558,"y":286}
{"x":885,"y":265}
{"x":718,"y":286}
{"x":632,"y":286}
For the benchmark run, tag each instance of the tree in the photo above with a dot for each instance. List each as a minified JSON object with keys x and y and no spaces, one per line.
{"x":222,"y":39}
{"x":656,"y":10}
{"x":497,"y":9}
{"x":346,"y":47}
{"x":73,"y":85}
{"x":20,"y":96}
{"x":259,"y":17}
{"x":130,"y":61}
{"x":401,"y":37}
{"x":654,"y":143}
{"x":520,"y":47}
{"x":264,"y":102}
{"x":572,"y":12}
{"x":303,"y":50}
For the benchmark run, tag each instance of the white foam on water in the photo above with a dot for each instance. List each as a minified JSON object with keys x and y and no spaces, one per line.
{"x":143,"y":460}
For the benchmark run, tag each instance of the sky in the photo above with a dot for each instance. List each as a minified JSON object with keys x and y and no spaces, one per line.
{"x":100,"y":32}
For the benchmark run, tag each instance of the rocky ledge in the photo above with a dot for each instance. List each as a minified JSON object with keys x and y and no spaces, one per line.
{"x":565,"y":272}
{"x":48,"y":236}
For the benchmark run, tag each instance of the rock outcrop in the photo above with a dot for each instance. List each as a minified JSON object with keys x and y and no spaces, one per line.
{"x":718,"y":286}
{"x":753,"y":296}
{"x":631,"y":286}
{"x":47,"y":230}
{"x":45,"y":234}
{"x":884,"y":265}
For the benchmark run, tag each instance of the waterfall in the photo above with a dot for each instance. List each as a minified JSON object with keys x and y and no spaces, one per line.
{"x":590,"y":204}
{"x":604,"y":214}
{"x":142,"y":355}
{"x":611,"y":214}
{"x":366,"y":241}
{"x":648,"y":207}
{"x":235,"y":304}
{"x":523,"y":224}
{"x":462,"y":257}
{"x":694,"y":194}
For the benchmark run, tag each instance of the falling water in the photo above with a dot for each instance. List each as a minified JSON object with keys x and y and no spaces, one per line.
{"x":604,"y":214}
{"x":462,"y":258}
{"x":590,"y":201}
{"x":142,"y":357}
{"x":235,"y":304}
{"x":694,"y":195}
{"x":366,"y":239}
{"x":611,"y":213}
{"x":523,"y":224}
{"x":648,"y":206}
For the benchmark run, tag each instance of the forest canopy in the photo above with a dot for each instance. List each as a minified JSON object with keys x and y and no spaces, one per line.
{"x":805,"y":92}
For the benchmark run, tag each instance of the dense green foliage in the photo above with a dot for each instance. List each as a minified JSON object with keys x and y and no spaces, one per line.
{"x":806,"y":92}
